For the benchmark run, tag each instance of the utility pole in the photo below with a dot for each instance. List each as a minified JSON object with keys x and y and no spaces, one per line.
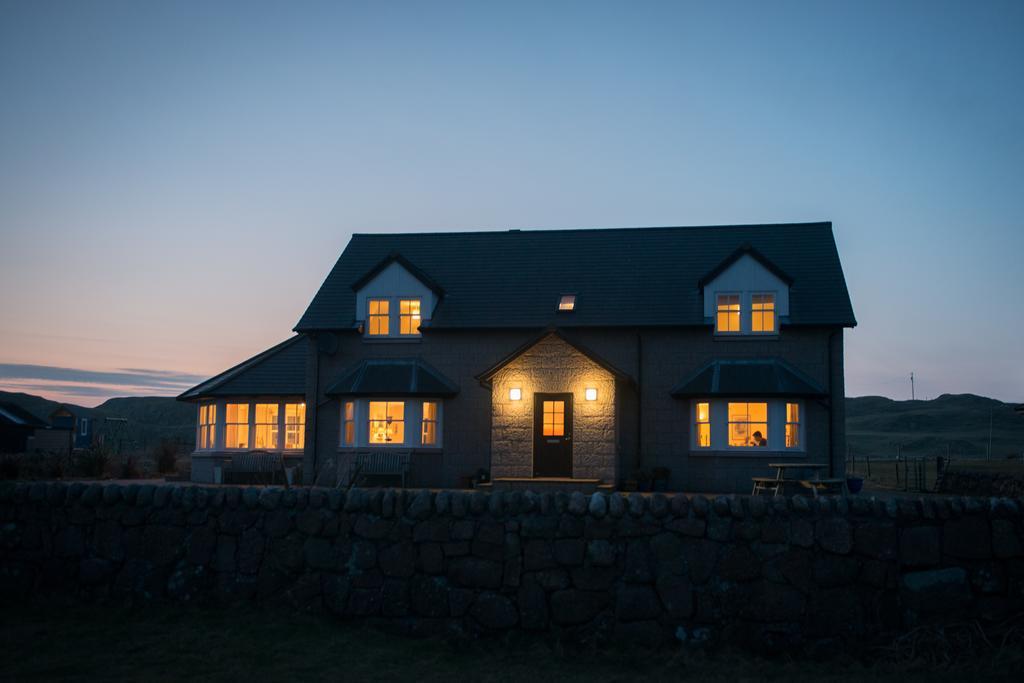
{"x":912,"y":396}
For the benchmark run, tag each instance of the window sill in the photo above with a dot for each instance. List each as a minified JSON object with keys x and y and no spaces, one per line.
{"x":740,"y":336}
{"x":747,"y":453}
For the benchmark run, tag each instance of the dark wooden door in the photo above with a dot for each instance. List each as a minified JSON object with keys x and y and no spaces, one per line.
{"x":552,"y":435}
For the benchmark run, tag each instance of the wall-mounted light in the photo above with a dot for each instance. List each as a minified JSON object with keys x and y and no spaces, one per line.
{"x":515,"y":394}
{"x":590,"y":393}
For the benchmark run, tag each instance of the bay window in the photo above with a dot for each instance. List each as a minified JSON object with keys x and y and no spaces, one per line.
{"x":294,"y":426}
{"x":236,"y":425}
{"x":390,"y":422}
{"x":747,"y":425}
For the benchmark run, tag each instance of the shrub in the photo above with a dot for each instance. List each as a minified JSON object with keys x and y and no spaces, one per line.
{"x":166,"y":457}
{"x":92,"y":463}
{"x":130,"y":468}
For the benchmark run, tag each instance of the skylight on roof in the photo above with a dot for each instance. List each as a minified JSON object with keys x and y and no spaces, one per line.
{"x":567,"y":302}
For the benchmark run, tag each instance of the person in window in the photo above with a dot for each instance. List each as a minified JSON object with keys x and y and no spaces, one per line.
{"x":757,"y":439}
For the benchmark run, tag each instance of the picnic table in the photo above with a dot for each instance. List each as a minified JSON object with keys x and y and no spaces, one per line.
{"x":776,"y":485}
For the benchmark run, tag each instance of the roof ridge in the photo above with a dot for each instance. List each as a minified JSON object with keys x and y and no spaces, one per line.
{"x":533,"y":231}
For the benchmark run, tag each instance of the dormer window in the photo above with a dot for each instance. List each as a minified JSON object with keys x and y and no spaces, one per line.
{"x":567,"y":303}
{"x":409,"y":316}
{"x":762,"y":313}
{"x":727,"y":317}
{"x":378,"y":317}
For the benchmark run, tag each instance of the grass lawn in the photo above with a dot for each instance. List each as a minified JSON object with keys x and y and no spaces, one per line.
{"x":183,"y":644}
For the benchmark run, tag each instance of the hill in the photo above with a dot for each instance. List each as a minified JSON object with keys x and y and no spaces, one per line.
{"x":957,"y":423}
{"x":150,"y":419}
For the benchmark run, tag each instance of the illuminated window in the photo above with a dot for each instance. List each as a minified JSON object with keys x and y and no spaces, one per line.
{"x":294,"y":425}
{"x":378,"y":317}
{"x":428,"y":433}
{"x":348,"y":424}
{"x":387,"y":422}
{"x":762,"y":312}
{"x":727,"y":317}
{"x":266,"y":426}
{"x":748,"y":425}
{"x":792,"y":425}
{"x":567,"y":302}
{"x":236,"y":425}
{"x":703,"y":425}
{"x":554,"y":418}
{"x":409,"y":316}
{"x":207,"y":424}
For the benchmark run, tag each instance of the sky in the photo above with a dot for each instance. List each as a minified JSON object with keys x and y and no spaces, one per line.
{"x":177,"y":178}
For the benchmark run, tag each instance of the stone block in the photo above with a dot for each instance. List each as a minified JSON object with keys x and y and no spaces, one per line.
{"x":967,"y":537}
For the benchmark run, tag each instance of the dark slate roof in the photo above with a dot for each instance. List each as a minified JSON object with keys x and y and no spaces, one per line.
{"x":393,"y":377}
{"x":621,"y":277}
{"x":13,"y":414}
{"x":278,"y":371}
{"x":753,"y":378}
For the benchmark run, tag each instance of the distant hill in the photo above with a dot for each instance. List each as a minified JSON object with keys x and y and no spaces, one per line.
{"x":958,"y":423}
{"x":150,"y":419}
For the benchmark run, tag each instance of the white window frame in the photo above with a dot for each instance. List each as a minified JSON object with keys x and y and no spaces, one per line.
{"x":419,"y":301}
{"x":346,"y":421}
{"x":729,"y":333}
{"x":394,"y":318}
{"x":775,"y":314}
{"x":211,"y":427}
{"x":800,"y":418}
{"x":283,"y":431}
{"x":371,"y":316}
{"x":83,"y":426}
{"x":697,"y":422}
{"x":249,"y":417}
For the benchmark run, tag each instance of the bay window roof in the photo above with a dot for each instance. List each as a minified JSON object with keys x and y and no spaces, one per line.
{"x":748,"y":378}
{"x":630,"y":276}
{"x":395,"y":377}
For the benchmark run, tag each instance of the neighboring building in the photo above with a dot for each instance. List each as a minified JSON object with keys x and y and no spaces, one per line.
{"x":584,"y":354}
{"x":81,"y":427}
{"x":17,"y":428}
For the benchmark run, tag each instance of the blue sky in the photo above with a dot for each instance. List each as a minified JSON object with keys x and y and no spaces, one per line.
{"x":177,"y":178}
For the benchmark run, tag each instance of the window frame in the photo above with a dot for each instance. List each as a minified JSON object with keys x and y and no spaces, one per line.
{"x":739,"y":313}
{"x":799,"y":423}
{"x":301,"y":424}
{"x":347,"y":438}
{"x":274,"y":427}
{"x":412,"y":429}
{"x":418,"y":316}
{"x":697,"y":423}
{"x":386,"y":317}
{"x":388,"y":421}
{"x":435,"y":422}
{"x":569,"y":299}
{"x":774,"y":312}
{"x":206,"y":430}
{"x":718,"y":417}
{"x":247,"y":424}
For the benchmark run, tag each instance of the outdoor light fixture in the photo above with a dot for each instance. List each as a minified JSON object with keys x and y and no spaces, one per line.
{"x":591,"y":394}
{"x":515,"y":394}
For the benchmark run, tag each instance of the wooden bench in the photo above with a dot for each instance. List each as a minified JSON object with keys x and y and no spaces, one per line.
{"x":766,"y":485}
{"x":377,"y":463}
{"x":824,"y":485}
{"x":254,"y":467}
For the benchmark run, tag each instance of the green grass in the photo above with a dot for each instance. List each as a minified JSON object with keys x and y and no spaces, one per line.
{"x":188,"y":644}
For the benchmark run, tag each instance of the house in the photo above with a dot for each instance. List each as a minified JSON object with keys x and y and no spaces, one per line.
{"x":17,"y":428}
{"x":81,"y":427}
{"x":584,"y":355}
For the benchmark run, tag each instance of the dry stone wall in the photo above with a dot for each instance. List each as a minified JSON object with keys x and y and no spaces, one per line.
{"x":766,"y":573}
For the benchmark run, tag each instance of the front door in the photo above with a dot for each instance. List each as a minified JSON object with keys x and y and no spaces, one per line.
{"x":552,"y":435}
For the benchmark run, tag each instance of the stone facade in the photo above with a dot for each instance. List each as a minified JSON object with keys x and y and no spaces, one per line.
{"x":553,"y":366}
{"x":766,"y":573}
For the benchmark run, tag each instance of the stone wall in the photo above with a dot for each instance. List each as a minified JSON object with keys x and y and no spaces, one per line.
{"x":972,"y":483}
{"x":767,"y":573}
{"x":553,"y":366}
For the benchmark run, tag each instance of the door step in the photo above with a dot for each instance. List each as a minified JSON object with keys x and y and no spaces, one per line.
{"x":539,"y":484}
